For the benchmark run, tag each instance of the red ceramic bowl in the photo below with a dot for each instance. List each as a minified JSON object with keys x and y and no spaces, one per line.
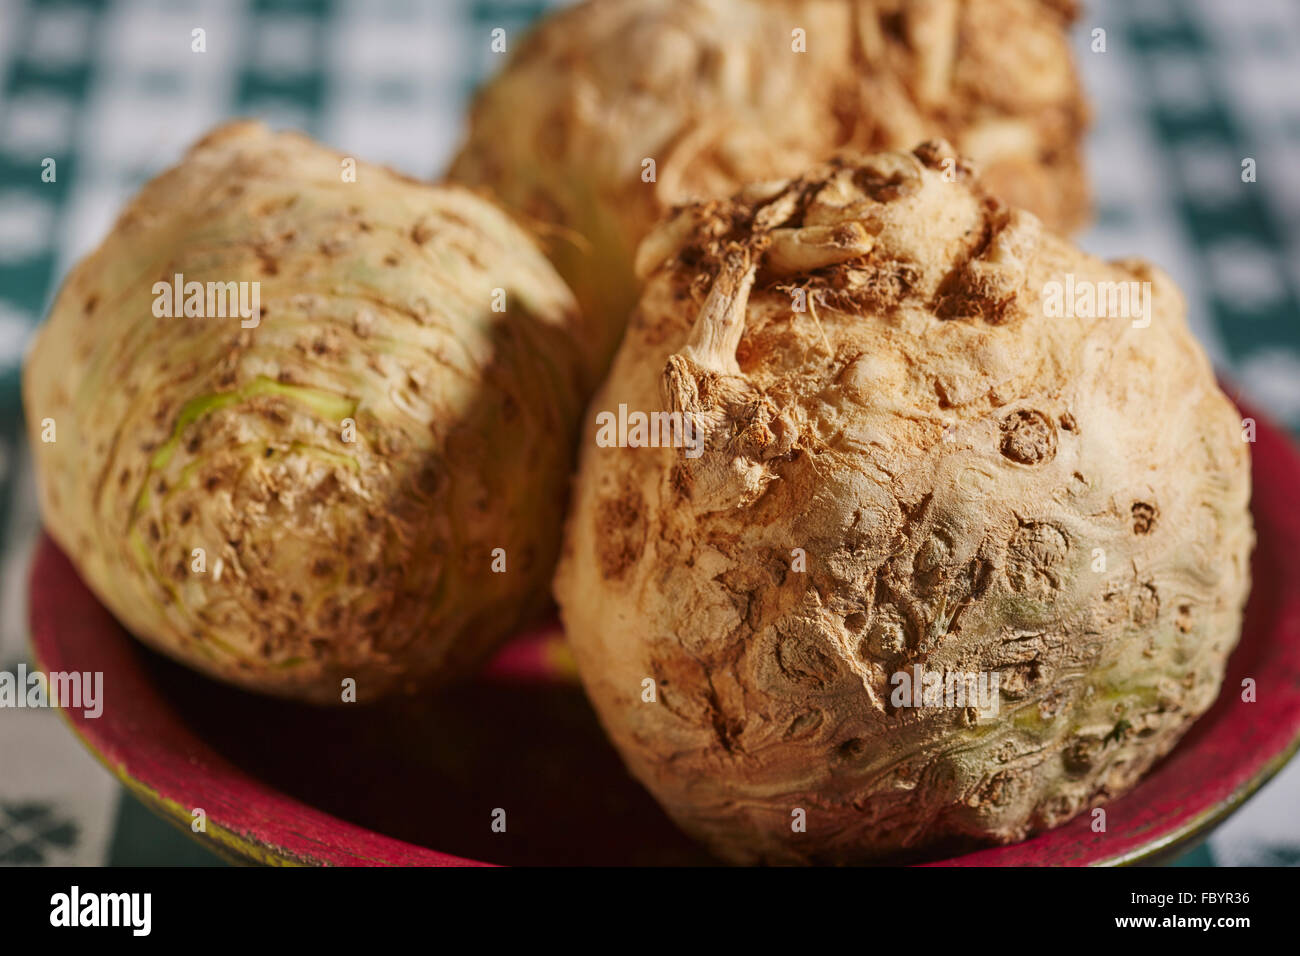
{"x":417,"y":782}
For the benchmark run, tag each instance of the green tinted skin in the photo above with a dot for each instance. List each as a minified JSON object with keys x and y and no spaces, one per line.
{"x":328,"y":556}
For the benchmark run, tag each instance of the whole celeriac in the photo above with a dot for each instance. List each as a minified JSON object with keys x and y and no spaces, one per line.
{"x":722,"y":93}
{"x":318,"y":492}
{"x":915,"y":454}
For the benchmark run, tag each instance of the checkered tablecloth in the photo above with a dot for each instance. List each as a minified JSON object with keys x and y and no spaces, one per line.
{"x":112,"y":91}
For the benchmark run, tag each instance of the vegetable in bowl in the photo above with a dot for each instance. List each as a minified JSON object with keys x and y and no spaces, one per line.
{"x":962,"y":556}
{"x":300,"y":419}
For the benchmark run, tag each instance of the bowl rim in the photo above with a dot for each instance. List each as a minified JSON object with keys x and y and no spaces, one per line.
{"x":324,"y":839}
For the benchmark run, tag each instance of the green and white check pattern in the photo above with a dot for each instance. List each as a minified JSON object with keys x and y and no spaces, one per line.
{"x":112,"y":92}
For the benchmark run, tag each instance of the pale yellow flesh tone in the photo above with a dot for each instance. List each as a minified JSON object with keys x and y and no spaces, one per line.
{"x":322,"y":496}
{"x":975,"y":486}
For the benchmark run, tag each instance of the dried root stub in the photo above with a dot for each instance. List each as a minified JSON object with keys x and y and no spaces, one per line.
{"x":282,"y":431}
{"x":924,"y":443}
{"x":722,"y":93}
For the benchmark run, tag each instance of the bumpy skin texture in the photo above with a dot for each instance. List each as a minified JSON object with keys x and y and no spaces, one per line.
{"x":713,"y":92}
{"x":325,"y":558}
{"x":950,"y":459}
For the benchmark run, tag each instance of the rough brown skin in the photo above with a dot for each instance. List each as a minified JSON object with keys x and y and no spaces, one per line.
{"x":325,"y":559}
{"x":713,"y":92}
{"x":975,"y":553}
